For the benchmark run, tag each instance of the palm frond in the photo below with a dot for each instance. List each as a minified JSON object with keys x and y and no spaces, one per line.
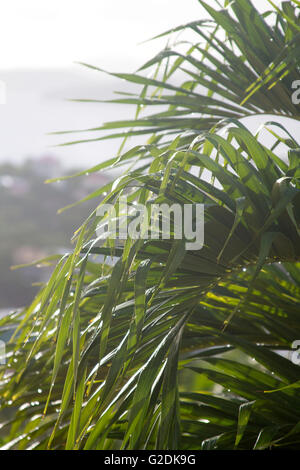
{"x":169,"y":348}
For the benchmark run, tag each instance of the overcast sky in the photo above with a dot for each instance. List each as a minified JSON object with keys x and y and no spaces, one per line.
{"x":40,"y":43}
{"x":55,"y":33}
{"x":42,"y":40}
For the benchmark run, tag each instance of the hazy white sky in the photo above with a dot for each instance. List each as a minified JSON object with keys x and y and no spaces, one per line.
{"x":41,"y":40}
{"x":58,"y":32}
{"x":54,"y":33}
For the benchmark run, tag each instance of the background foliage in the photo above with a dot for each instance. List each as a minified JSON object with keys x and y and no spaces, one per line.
{"x":30,"y":227}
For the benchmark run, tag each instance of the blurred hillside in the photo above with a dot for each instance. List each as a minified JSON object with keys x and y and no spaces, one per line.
{"x":30,"y":227}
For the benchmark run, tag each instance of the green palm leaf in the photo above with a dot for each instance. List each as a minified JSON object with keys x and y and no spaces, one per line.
{"x":172,"y":348}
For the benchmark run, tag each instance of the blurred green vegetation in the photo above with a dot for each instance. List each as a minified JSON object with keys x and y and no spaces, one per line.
{"x":30,"y":227}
